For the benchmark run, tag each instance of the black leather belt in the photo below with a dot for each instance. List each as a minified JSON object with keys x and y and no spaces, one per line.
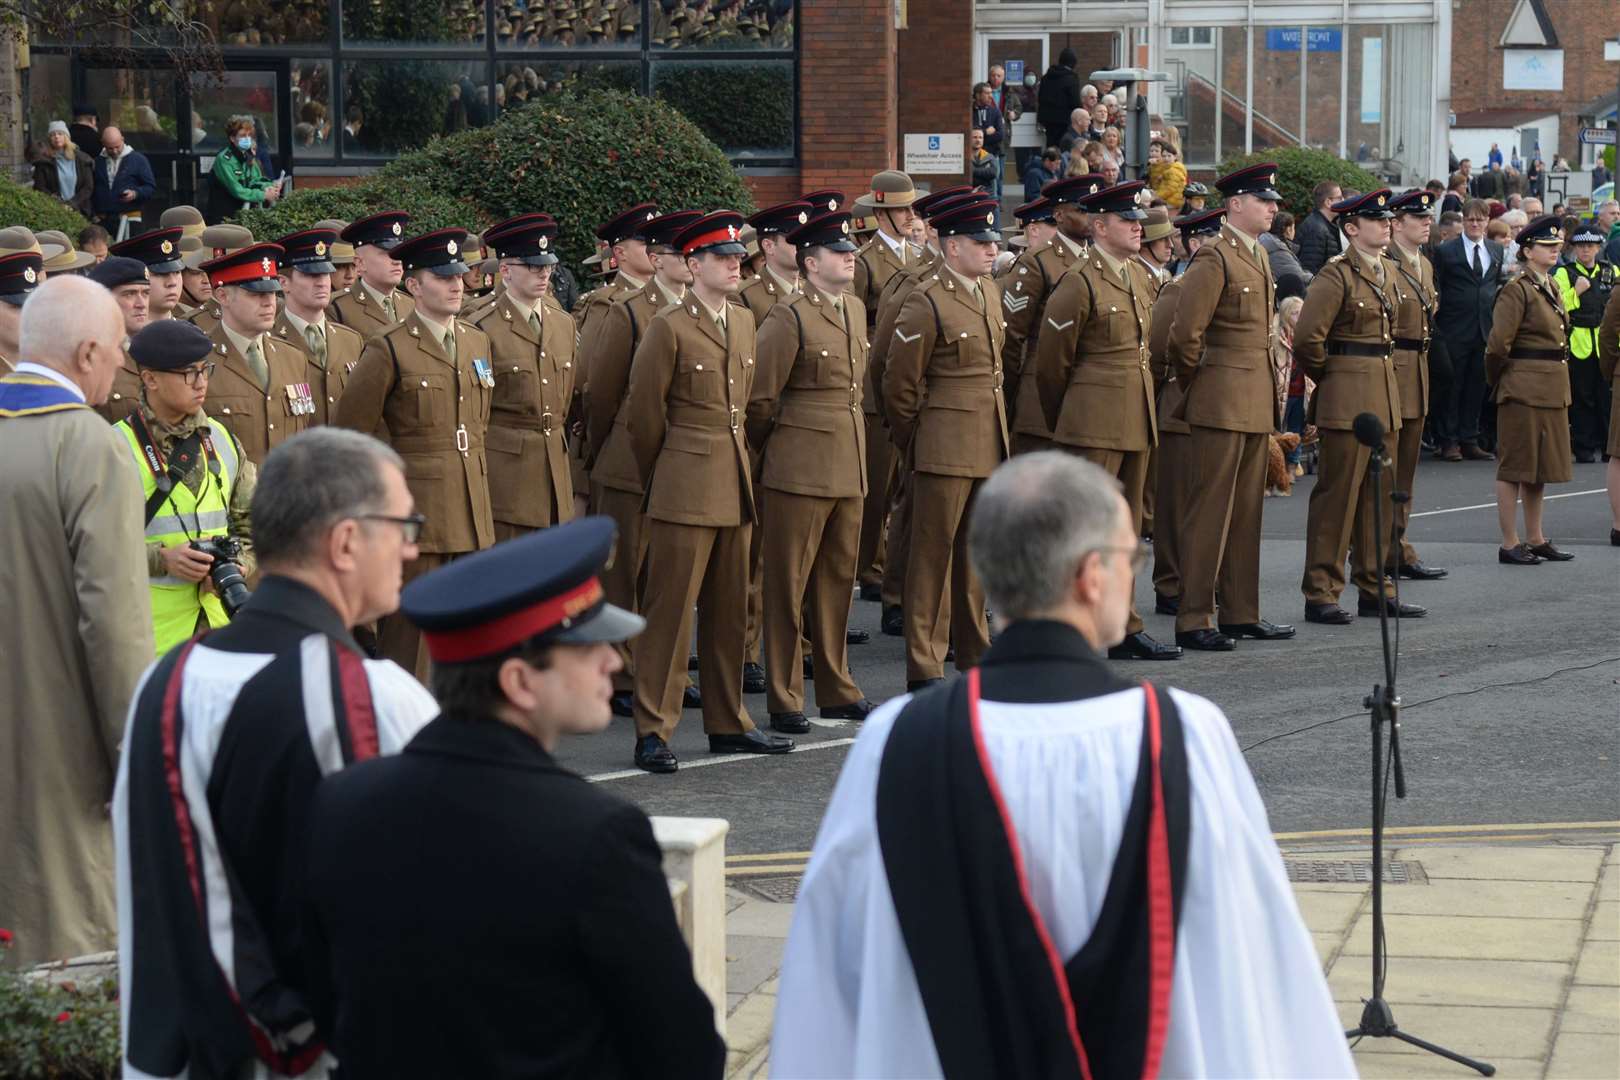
{"x":1356,"y":348}
{"x":1537,"y":354}
{"x":1412,"y":343}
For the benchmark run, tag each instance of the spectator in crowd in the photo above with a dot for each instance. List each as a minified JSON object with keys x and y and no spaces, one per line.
{"x":1456,"y":194}
{"x":1168,"y":133}
{"x":65,"y":172}
{"x":1075,"y":133}
{"x":1108,"y":169}
{"x":1513,"y":200}
{"x":1532,"y":207}
{"x":1110,"y":102}
{"x":1112,"y":146}
{"x":1058,"y":97}
{"x":93,"y":240}
{"x":1536,"y":178}
{"x":1492,"y":183}
{"x":1005,"y":98}
{"x":124,"y":182}
{"x":238,"y":174}
{"x":1193,"y":197}
{"x":982,"y":163}
{"x":86,"y":130}
{"x":1493,"y":159}
{"x":1099,"y":123}
{"x":354,"y":119}
{"x":1466,"y":167}
{"x":1042,"y":171}
{"x":1435,"y":188}
{"x":1600,"y":173}
{"x":1166,"y":175}
{"x":1608,"y":225}
{"x":1283,"y":369}
{"x":1467,"y":273}
{"x":1088,"y":98}
{"x":989,"y":120}
{"x":78,"y":629}
{"x":1503,"y":230}
{"x":1279,"y":244}
{"x":1319,"y":238}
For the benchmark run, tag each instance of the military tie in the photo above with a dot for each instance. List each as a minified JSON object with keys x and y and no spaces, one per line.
{"x":534,"y":322}
{"x":388,"y":308}
{"x":255,"y":362}
{"x":450,"y":344}
{"x":317,"y":344}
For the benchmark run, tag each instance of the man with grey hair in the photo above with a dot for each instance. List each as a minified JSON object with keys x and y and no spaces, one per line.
{"x":247,"y":720}
{"x":949,"y":883}
{"x":77,"y":629}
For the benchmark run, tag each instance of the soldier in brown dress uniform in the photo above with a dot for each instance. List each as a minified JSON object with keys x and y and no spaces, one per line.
{"x":260,"y":389}
{"x":683,"y":413}
{"x":1608,"y":344}
{"x":159,"y":251}
{"x":217,"y":241}
{"x":331,"y":350}
{"x":804,"y":415}
{"x":1028,"y":285}
{"x":19,"y":277}
{"x":1345,"y":340}
{"x":345,"y":270}
{"x":1091,"y":367}
{"x":532,"y":339}
{"x":942,"y":397}
{"x":424,"y":387}
{"x":1170,"y":487}
{"x":125,"y":278}
{"x":1527,"y":366}
{"x":375,"y":303}
{"x":1416,"y":302}
{"x":1220,"y":347}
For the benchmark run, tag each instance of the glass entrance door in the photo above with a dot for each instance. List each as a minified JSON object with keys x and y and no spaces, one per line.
{"x":145,"y":105}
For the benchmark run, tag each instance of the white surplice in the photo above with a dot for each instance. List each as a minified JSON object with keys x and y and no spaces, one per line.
{"x":1248,"y":998}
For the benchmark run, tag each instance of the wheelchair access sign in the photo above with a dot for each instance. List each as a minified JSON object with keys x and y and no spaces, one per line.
{"x":940,"y":154}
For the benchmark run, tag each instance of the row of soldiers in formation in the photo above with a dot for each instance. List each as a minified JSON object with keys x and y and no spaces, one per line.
{"x":768,"y":440}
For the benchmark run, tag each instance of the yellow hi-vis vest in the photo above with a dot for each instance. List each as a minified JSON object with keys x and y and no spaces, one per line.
{"x":175,"y":603}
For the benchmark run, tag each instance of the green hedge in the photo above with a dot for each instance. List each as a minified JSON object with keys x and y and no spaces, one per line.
{"x":745,"y":108}
{"x":579,"y":158}
{"x":1299,"y":170}
{"x":24,"y":206}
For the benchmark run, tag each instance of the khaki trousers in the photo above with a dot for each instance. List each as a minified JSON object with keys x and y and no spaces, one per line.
{"x":1129,"y":467}
{"x":1219,"y":541}
{"x":944,"y":602}
{"x":506,"y":531}
{"x":1340,"y":520}
{"x":811,"y":544}
{"x":689,"y":565}
{"x":1408,"y":448}
{"x":1023,"y":443}
{"x":1169,"y":498}
{"x":756,"y":583}
{"x":1150,"y":489}
{"x":621,"y":576}
{"x":897,"y":548}
{"x":398,"y":639}
{"x":879,"y":475}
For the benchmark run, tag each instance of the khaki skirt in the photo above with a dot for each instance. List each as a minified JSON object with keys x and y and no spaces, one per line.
{"x":1532,"y":444}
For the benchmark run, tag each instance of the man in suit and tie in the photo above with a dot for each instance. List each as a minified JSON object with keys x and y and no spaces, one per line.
{"x":1468,"y":273}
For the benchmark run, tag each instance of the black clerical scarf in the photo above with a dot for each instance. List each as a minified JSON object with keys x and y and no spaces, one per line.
{"x":212,"y":941}
{"x":1000,"y":1001}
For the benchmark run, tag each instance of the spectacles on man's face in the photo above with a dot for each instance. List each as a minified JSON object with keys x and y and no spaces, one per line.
{"x":410,"y":524}
{"x":196,"y":376}
{"x":1137,"y":552}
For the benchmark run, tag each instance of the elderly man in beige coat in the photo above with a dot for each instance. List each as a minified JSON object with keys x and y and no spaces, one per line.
{"x":78,"y":626}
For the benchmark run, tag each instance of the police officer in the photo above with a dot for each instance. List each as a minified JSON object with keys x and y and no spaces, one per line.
{"x":683,"y":412}
{"x":197,"y":483}
{"x":330,"y":349}
{"x":804,"y":416}
{"x":1091,"y":367}
{"x":20,"y":275}
{"x":261,"y":388}
{"x":1345,"y":340}
{"x":1416,"y":301}
{"x":1586,"y":283}
{"x":1526,"y":364}
{"x":532,"y":341}
{"x":217,"y":241}
{"x":126,"y":279}
{"x":375,"y":303}
{"x":424,"y":386}
{"x":159,"y":251}
{"x":943,"y":399}
{"x":1220,"y":348}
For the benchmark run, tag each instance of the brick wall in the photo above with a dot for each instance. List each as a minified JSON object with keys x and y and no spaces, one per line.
{"x":936,"y":72}
{"x":1476,"y":60}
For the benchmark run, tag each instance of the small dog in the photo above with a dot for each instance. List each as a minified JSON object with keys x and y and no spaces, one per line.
{"x":1279,"y":474}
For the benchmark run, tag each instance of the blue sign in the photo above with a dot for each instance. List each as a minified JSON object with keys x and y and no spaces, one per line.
{"x":1015,"y":72}
{"x":1320,"y":39}
{"x":933,"y":142}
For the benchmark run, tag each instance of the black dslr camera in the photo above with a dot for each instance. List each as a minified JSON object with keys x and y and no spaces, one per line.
{"x":226,"y":571}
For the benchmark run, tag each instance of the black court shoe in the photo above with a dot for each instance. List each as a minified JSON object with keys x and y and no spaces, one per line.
{"x":654,"y":755}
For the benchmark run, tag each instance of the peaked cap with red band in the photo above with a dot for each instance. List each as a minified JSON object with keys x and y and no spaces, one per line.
{"x":542,"y":588}
{"x":718,"y":233}
{"x":254,"y":268}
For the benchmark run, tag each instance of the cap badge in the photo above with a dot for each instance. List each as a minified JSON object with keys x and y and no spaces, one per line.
{"x":320,"y":248}
{"x":397,"y":229}
{"x":1381,"y":200}
{"x":146,"y":273}
{"x":449,"y":247}
{"x":267,"y":264}
{"x":803,"y":217}
{"x":844,"y":226}
{"x":1272,"y":179}
{"x":166,"y":247}
{"x":1092,"y":190}
{"x":544,"y":242}
{"x":29,"y":275}
{"x":731,"y":232}
{"x":990,"y":218}
{"x":832,"y":204}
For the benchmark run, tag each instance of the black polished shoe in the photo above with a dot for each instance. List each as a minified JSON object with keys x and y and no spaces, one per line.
{"x":794,"y":723}
{"x":1205,"y":640}
{"x":749,"y":742}
{"x":855,"y":710}
{"x":1368,"y":605}
{"x":1328,"y":615}
{"x":914,"y":685}
{"x":856,"y":636}
{"x":1614,"y":537}
{"x":1517,"y":556}
{"x":1166,"y":605}
{"x":1141,"y":646}
{"x":623,"y":704}
{"x":873,"y":593}
{"x":894,"y":621}
{"x":753,"y":678}
{"x":691,"y":698}
{"x":809,"y":667}
{"x":654,"y":755}
{"x":1417,"y":571}
{"x":1585,"y":457}
{"x":1260,"y":631}
{"x":1545,"y":550}
{"x":691,"y":661}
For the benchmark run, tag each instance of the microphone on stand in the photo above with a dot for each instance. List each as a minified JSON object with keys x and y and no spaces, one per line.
{"x":1369,"y":430}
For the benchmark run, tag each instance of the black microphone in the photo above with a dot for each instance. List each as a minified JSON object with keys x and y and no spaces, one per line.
{"x":1369,"y":430}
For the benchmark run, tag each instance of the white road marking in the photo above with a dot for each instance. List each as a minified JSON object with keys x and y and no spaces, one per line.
{"x":727,"y":759}
{"x":1492,"y":506}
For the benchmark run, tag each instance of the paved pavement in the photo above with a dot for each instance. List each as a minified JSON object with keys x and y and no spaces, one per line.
{"x":1502,"y":949}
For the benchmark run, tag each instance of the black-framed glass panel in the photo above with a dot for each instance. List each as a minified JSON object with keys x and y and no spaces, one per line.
{"x":391,"y":106}
{"x":140,"y":102}
{"x":413,"y":22}
{"x":314,"y":123}
{"x":50,"y":93}
{"x":537,"y":24}
{"x":746,"y":107}
{"x":214,"y":103}
{"x":722,"y":24}
{"x":518,"y":82}
{"x":238,"y":23}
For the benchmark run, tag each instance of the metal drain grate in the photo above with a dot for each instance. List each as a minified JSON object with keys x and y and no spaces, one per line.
{"x":1353,"y":872}
{"x":776,"y":890}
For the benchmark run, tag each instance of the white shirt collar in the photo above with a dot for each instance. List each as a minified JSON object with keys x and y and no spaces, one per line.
{"x":26,"y":367}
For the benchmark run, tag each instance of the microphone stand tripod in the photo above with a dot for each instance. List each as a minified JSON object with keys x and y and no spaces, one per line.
{"x":1377,"y":1019}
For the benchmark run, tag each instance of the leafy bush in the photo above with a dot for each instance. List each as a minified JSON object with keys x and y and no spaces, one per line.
{"x":21,"y":205}
{"x":1299,"y":170}
{"x":56,"y":1031}
{"x":745,"y":108}
{"x":579,"y":158}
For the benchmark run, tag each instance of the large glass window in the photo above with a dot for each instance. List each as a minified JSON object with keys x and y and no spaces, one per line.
{"x":747,"y":108}
{"x":242,"y":93}
{"x":679,"y":24}
{"x":564,"y":26}
{"x":140,"y":102}
{"x":315,"y":127}
{"x":417,"y":22}
{"x":518,"y":82}
{"x":50,"y":94}
{"x":392,"y":106}
{"x":266,"y":22}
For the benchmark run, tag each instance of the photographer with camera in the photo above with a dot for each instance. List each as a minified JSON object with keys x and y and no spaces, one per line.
{"x":197,"y":483}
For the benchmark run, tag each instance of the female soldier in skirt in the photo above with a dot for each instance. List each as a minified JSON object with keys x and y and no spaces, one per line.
{"x":1526,"y":363}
